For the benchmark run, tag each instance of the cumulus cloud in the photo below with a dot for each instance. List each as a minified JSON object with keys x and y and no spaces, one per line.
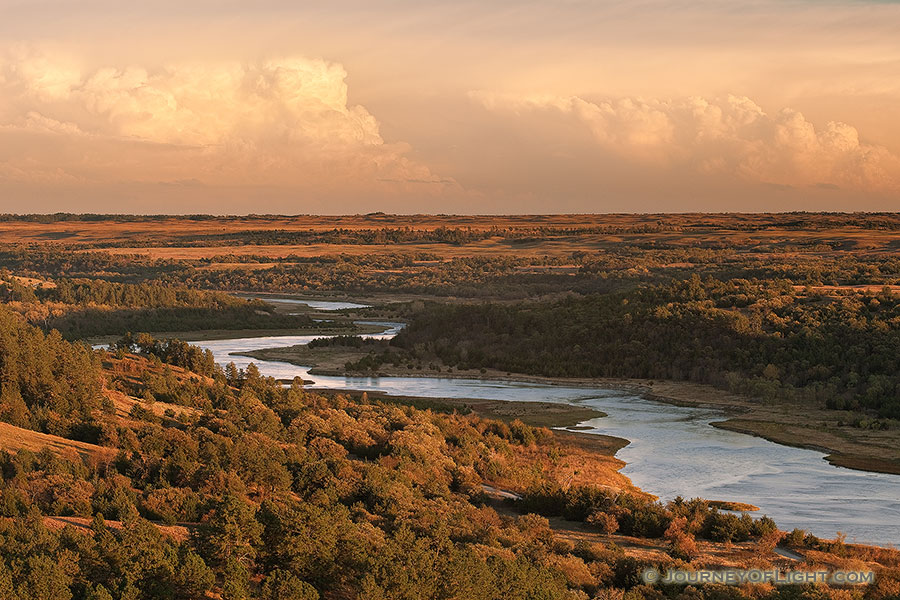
{"x":729,"y":136}
{"x":281,"y":122}
{"x":277,"y":134}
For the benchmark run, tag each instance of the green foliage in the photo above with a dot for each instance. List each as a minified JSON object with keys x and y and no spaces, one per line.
{"x":235,"y":580}
{"x":46,"y":383}
{"x":13,"y":291}
{"x":173,"y":352}
{"x":283,"y":585}
{"x":81,"y":308}
{"x":230,"y":532}
{"x":192,"y":577}
{"x":611,"y":511}
{"x":85,"y":292}
{"x":351,"y":341}
{"x":845,"y":353}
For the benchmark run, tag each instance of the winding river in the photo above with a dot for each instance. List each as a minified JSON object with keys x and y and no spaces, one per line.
{"x":673,"y":451}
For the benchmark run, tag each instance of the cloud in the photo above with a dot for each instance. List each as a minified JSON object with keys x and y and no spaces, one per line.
{"x":282,"y":122}
{"x":282,"y":135}
{"x":730,"y":136}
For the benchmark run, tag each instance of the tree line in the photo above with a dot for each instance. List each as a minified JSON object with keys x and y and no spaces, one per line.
{"x":80,"y":308}
{"x":759,"y":337}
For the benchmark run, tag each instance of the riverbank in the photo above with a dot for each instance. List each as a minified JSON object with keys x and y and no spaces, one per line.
{"x":798,"y":424}
{"x":225,"y":334}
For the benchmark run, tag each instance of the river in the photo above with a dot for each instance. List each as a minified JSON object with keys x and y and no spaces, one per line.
{"x":673,"y":451}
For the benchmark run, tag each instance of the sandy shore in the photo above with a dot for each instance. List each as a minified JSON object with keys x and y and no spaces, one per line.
{"x":799,"y":424}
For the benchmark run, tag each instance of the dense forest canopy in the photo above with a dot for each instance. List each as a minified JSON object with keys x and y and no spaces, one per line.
{"x":756,"y":337}
{"x":46,"y":383}
{"x":80,"y":308}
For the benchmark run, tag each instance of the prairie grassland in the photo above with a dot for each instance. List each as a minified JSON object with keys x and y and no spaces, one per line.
{"x":162,"y":236}
{"x":13,"y":439}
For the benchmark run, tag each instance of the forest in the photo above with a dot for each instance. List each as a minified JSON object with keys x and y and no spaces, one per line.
{"x":46,"y":383}
{"x":762,"y":338}
{"x":246,"y":489}
{"x":81,"y":308}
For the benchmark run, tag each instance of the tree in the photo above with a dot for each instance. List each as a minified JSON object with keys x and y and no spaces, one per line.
{"x":193,"y":578}
{"x":235,"y":580}
{"x":230,"y":533}
{"x":282,"y":585}
{"x":98,"y":592}
{"x":45,"y":578}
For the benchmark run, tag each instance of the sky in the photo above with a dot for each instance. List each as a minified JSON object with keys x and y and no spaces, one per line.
{"x":509,"y":106}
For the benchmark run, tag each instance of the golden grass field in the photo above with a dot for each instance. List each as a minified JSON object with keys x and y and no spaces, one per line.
{"x":753,"y":234}
{"x":14,"y":438}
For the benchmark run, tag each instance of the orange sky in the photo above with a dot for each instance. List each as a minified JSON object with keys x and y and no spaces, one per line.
{"x":456,"y":107}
